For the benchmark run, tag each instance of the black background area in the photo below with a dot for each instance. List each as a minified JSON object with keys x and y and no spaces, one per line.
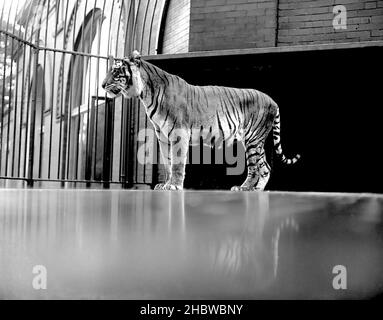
{"x":329,"y":102}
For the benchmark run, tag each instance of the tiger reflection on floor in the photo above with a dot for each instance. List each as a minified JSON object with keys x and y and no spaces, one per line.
{"x":251,"y":256}
{"x":243,"y":255}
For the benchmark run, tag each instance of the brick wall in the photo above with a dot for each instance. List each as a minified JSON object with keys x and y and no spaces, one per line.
{"x":232,"y":24}
{"x":176,"y":37}
{"x":305,"y":22}
{"x":235,"y":24}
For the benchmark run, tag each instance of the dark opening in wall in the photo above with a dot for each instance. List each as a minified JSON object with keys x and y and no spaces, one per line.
{"x":329,"y":103}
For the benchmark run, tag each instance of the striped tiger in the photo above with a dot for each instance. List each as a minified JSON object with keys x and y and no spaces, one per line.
{"x":180,"y":112}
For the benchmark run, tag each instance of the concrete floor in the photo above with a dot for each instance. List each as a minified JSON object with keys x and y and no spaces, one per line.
{"x":189,"y":245}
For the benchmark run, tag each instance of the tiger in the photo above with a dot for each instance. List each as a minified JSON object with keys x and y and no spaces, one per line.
{"x":177,"y":110}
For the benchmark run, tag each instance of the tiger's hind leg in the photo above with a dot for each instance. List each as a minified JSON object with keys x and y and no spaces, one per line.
{"x":252,"y":153}
{"x":263,"y":171}
{"x":258,"y":170}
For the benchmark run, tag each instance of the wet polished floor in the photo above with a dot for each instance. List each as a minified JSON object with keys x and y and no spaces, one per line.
{"x":189,"y":245}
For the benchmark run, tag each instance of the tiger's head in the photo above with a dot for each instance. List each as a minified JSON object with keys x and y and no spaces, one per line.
{"x":124,"y":77}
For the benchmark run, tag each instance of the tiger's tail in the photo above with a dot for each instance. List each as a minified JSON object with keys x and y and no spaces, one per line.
{"x":277,"y":142}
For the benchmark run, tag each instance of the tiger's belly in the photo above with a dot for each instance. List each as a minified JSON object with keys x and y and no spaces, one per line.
{"x":213,"y":136}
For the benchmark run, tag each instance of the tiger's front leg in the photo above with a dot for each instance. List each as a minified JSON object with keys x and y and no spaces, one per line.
{"x":179,"y":146}
{"x":167,"y":166}
{"x":165,"y":147}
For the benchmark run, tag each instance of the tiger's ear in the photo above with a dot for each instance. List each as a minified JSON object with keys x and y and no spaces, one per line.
{"x":135,"y":57}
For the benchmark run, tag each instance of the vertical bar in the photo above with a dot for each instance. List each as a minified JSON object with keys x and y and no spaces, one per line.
{"x":3,"y":86}
{"x":137,"y":107}
{"x":130,"y":124}
{"x":154,"y":166}
{"x":27,"y":111}
{"x":141,"y":48}
{"x":130,"y":144}
{"x":22,"y":107}
{"x":91,"y":156}
{"x":28,"y":127}
{"x":2,"y":99}
{"x":88,"y":156}
{"x":91,"y":138}
{"x":112,"y":139}
{"x":62,"y":117}
{"x":16,"y":101}
{"x":70,"y":76}
{"x":123,"y":130}
{"x":43,"y":93}
{"x":10,"y":95}
{"x":95,"y":128}
{"x":52,"y":107}
{"x":82,"y":81}
{"x":107,"y":144}
{"x":123,"y":142}
{"x":34,"y":102}
{"x":109,"y":65}
{"x":33,"y":118}
{"x":97,"y":79}
{"x":3,"y":103}
{"x":124,"y":137}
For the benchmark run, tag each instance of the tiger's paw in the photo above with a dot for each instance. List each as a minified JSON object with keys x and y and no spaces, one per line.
{"x":242,"y":188}
{"x":170,"y":186}
{"x":159,"y":186}
{"x":167,"y":186}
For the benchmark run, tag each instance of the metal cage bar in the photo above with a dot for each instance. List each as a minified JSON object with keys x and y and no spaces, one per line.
{"x":57,"y":124}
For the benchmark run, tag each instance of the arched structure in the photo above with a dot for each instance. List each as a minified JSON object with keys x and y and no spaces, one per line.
{"x":70,"y":42}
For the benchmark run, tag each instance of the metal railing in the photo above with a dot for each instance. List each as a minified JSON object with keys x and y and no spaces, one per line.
{"x":57,"y":124}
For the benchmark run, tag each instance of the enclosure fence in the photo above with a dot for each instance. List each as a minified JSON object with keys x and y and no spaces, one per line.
{"x":57,"y":124}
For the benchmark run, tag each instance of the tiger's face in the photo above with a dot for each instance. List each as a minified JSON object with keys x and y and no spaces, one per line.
{"x":124,"y":78}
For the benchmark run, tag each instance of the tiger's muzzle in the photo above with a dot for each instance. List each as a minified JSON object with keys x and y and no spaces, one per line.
{"x":111,"y":89}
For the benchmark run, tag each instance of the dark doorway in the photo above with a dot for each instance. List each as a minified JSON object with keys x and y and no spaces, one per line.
{"x":329,"y":102}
